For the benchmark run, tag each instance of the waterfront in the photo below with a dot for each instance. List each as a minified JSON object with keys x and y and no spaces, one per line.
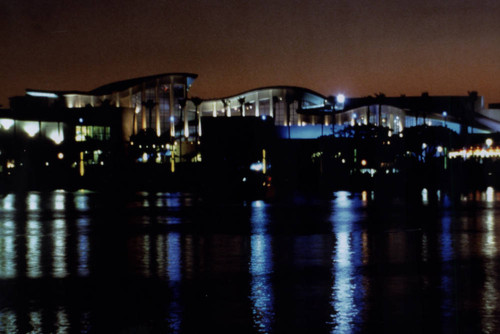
{"x":86,"y":262}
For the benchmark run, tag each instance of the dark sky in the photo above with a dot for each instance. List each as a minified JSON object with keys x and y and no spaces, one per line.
{"x":358,"y":47}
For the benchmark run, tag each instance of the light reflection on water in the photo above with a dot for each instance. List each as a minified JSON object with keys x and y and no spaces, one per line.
{"x":347,"y":289}
{"x":445,"y":268}
{"x":33,"y":246}
{"x":261,"y":268}
{"x":447,"y":275}
{"x":490,"y":290}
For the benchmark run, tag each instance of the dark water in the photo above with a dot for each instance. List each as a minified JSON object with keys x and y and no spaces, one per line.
{"x":85,"y":262}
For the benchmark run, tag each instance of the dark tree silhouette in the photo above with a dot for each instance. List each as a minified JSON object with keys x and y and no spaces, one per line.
{"x":241,"y":101}
{"x":225,"y":103}
{"x":149,"y":104}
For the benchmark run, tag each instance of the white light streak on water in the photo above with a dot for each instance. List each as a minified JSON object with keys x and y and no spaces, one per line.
{"x":8,"y":322}
{"x":33,"y":201}
{"x":261,"y":267}
{"x":58,"y":200}
{"x":490,"y":287}
{"x":347,"y":289}
{"x":59,"y":259}
{"x":33,"y":247}
{"x":36,"y":322}
{"x":7,"y":250}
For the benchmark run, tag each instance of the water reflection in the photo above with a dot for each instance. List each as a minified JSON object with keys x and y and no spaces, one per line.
{"x":33,"y":201}
{"x":8,"y":322}
{"x":83,"y":247}
{"x":58,"y":201}
{"x":59,"y":259}
{"x":33,"y":247}
{"x":490,"y":289}
{"x":36,"y":322}
{"x":447,"y":273}
{"x":7,"y":250}
{"x":174,"y":274}
{"x":261,"y":267}
{"x":347,"y":289}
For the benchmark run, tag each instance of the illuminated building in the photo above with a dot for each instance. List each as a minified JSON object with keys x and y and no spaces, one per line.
{"x":156,"y":117}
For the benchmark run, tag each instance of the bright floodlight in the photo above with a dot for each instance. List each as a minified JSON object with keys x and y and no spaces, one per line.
{"x":42,"y":94}
{"x":340,"y":98}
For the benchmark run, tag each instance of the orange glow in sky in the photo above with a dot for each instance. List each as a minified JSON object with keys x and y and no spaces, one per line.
{"x":357,"y":47}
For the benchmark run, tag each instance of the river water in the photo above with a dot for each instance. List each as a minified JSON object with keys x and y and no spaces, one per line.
{"x":85,"y":262}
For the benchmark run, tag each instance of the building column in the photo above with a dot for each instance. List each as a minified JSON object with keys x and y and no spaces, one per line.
{"x":143,"y":107}
{"x":172,"y":113}
{"x":157,"y":107}
{"x":257,"y":112}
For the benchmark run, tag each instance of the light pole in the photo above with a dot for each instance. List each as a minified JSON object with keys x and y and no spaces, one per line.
{"x":445,"y":114}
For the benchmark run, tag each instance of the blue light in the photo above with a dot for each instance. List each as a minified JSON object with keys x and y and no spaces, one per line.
{"x":256,"y":166}
{"x":80,"y":120}
{"x":172,"y":118}
{"x":42,"y":94}
{"x":263,"y":117}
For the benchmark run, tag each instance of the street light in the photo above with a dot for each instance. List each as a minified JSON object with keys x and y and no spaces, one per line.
{"x":445,"y":114}
{"x":489,"y":142}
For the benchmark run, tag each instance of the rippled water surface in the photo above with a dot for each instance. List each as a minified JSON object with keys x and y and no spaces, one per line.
{"x":84,"y":262}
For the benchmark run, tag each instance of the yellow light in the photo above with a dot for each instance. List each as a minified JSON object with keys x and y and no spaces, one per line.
{"x":82,"y":165}
{"x":264,"y":162}
{"x":60,"y":155}
{"x":363,"y":162}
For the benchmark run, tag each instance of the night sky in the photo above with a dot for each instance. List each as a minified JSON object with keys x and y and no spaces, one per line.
{"x":358,"y":47}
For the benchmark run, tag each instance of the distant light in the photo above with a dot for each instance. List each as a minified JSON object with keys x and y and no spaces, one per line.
{"x":445,"y":114}
{"x":172,"y":118}
{"x":354,"y":116}
{"x":489,"y":142}
{"x":256,"y":166}
{"x":42,"y":94}
{"x":363,"y":162}
{"x":424,"y":146}
{"x":440,"y":149}
{"x":340,"y":98}
{"x":263,"y":117}
{"x":244,"y":179}
{"x":60,"y":155}
{"x":80,"y":120}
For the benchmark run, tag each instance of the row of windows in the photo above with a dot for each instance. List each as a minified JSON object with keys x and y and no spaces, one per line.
{"x":85,"y":132}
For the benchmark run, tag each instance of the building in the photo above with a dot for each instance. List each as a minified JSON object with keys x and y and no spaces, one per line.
{"x":154,"y":120}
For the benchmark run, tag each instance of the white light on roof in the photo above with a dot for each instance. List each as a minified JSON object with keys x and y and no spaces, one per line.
{"x":42,"y":94}
{"x":57,"y":137}
{"x":6,"y":123}
{"x":340,"y":98}
{"x":31,"y":128}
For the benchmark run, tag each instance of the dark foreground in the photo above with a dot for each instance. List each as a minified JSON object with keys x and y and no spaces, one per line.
{"x":83,"y":262}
